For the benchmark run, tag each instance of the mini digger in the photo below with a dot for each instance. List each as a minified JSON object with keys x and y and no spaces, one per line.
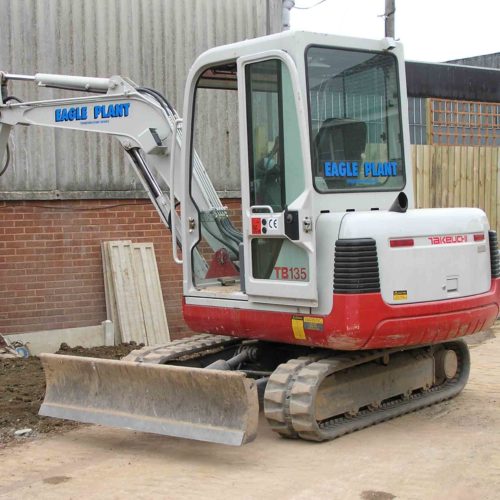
{"x":331,"y":302}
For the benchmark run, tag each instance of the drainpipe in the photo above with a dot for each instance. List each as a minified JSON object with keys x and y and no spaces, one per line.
{"x":287,"y":6}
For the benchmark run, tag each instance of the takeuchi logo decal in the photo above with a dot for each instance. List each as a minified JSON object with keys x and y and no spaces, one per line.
{"x":448,"y":240}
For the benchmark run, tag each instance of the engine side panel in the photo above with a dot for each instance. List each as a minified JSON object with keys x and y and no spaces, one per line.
{"x":447,"y":257}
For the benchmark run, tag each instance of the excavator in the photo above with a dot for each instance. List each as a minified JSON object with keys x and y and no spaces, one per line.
{"x":332,"y":303}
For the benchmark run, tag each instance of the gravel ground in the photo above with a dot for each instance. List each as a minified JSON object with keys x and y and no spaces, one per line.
{"x":450,"y":450}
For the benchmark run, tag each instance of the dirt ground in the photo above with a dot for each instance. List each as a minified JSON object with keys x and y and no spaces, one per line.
{"x":22,"y":387}
{"x":450,"y":450}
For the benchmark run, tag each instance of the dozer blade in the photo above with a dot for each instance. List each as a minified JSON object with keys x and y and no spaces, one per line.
{"x":207,"y":405}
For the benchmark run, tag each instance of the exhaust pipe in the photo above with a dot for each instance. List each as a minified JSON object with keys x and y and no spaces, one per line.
{"x":400,"y":204}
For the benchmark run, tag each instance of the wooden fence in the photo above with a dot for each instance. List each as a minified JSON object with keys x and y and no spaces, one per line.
{"x":458,"y":176}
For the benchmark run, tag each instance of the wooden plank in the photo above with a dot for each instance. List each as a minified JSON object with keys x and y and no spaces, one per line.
{"x":428,"y":115}
{"x":487,"y":182}
{"x":475,"y":177}
{"x":426,"y":172}
{"x":126,"y":292}
{"x":454,"y":170}
{"x":496,"y":181}
{"x":482,"y":178}
{"x":436,"y":177}
{"x":108,"y":285}
{"x":420,"y":176}
{"x":109,"y":292}
{"x":463,"y":176}
{"x":454,"y":173}
{"x":148,"y":282}
{"x":414,"y":171}
{"x":469,"y":176}
{"x":447,"y":194}
{"x":454,"y":179}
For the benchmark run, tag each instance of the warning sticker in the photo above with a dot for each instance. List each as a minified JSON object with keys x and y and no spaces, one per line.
{"x":312,"y":323}
{"x":298,"y":327}
{"x":400,"y":294}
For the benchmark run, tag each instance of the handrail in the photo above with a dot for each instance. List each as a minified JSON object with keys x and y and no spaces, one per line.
{"x":177,"y":122}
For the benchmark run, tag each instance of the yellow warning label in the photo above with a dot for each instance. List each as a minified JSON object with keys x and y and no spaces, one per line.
{"x":298,"y":327}
{"x":312,"y":323}
{"x":400,"y":295}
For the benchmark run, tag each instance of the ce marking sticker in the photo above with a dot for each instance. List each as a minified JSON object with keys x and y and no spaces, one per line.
{"x":271,"y":224}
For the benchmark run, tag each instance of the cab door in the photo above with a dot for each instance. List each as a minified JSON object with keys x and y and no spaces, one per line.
{"x":277,"y":196}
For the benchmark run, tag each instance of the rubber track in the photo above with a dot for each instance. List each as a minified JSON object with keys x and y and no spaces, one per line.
{"x":278,"y":390}
{"x":301,"y":396}
{"x":162,"y":354}
{"x":276,"y":396}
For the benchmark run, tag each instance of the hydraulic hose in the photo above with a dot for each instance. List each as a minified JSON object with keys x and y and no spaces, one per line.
{"x":7,"y":148}
{"x":7,"y":161}
{"x":162,"y":100}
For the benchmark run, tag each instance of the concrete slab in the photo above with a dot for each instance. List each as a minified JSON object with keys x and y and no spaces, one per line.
{"x":50,"y":340}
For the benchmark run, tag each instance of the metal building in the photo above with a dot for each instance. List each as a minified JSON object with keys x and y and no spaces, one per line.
{"x":153,"y":42}
{"x":483,"y":61}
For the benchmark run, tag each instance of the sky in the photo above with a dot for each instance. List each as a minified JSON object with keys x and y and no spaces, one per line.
{"x":431,"y":30}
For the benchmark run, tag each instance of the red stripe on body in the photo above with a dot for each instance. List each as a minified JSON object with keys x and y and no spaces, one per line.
{"x":358,"y":321}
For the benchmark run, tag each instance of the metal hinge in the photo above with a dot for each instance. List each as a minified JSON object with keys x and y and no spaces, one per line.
{"x":307,"y":224}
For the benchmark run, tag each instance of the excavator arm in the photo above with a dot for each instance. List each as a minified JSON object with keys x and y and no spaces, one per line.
{"x":149,"y":130}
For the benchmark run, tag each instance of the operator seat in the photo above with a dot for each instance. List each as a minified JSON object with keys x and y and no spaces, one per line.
{"x":338,"y":139}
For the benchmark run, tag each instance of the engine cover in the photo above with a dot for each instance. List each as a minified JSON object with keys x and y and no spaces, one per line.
{"x":426,"y":254}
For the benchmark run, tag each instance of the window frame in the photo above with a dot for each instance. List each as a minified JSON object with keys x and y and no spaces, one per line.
{"x":309,"y":121}
{"x":250,"y":138}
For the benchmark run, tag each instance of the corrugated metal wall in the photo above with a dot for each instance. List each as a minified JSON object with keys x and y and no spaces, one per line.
{"x":484,"y":61}
{"x":153,"y":42}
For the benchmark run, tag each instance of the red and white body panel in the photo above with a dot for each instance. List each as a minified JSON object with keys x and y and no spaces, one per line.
{"x":437,"y":289}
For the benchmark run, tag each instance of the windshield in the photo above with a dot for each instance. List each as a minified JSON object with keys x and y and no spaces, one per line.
{"x":354,"y":113}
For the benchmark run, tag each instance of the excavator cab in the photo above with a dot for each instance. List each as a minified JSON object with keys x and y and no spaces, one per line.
{"x":313,"y":116}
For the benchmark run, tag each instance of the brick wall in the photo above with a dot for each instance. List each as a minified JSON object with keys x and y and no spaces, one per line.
{"x":50,"y":261}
